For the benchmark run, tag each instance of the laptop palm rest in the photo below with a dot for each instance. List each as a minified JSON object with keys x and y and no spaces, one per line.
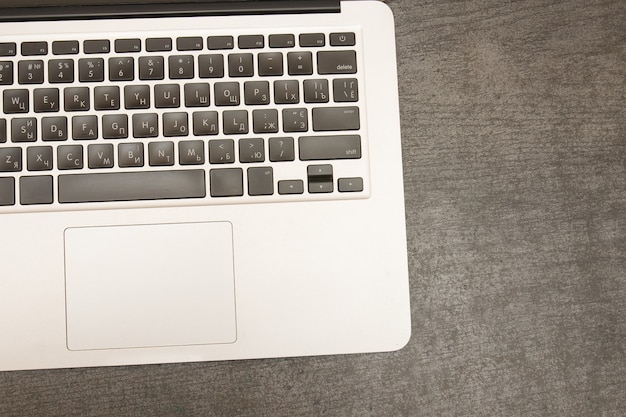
{"x":143,"y":286}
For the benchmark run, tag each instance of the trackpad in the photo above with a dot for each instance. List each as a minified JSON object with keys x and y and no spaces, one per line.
{"x":149,"y":285}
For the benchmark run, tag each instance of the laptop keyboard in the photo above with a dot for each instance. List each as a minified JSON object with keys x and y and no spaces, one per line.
{"x":198,"y":117}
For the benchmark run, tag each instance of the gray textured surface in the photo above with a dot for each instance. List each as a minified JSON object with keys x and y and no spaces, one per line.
{"x":514,"y":135}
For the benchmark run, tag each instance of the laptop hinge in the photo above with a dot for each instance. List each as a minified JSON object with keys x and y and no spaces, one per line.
{"x":183,"y":9}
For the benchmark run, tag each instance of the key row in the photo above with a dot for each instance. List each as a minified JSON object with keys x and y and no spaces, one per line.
{"x":178,"y":67}
{"x":108,"y":98}
{"x":183,"y":43}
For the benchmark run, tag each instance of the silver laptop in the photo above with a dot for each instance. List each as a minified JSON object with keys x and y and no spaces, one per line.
{"x":198,"y":181}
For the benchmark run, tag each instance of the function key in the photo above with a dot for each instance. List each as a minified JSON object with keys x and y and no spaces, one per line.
{"x":194,"y":43}
{"x":99,"y":46}
{"x":65,"y":47}
{"x":282,"y":41}
{"x":8,"y":49}
{"x":342,"y":39}
{"x":221,"y":42}
{"x":158,"y":44}
{"x":127,"y":45}
{"x":251,"y":41}
{"x":34,"y":48}
{"x":312,"y":40}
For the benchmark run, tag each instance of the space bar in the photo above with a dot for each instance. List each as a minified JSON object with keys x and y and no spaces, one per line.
{"x":129,"y":186}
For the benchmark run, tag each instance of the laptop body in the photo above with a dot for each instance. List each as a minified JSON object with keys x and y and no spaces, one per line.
{"x":199,"y":181}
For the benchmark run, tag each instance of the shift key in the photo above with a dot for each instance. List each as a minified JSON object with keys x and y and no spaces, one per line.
{"x":329,"y":147}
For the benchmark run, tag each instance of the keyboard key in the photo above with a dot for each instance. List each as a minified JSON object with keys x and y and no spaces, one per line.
{"x":256,"y":92}
{"x":6,"y":72}
{"x":251,"y":41}
{"x":320,"y":178}
{"x":260,"y":181}
{"x":129,"y":186}
{"x":158,"y":44}
{"x":281,"y":149}
{"x":121,"y":69}
{"x":312,"y":40}
{"x":221,"y":42}
{"x":107,"y":98}
{"x":85,"y":127}
{"x":282,"y":41}
{"x":345,"y":90}
{"x":286,"y":92}
{"x":336,"y":62}
{"x":251,"y":150}
{"x":90,"y":70}
{"x":130,"y":155}
{"x":336,"y":118}
{"x":145,"y":125}
{"x":271,"y":64}
{"x":100,"y":156}
{"x":175,"y":124}
{"x":192,"y":43}
{"x":65,"y":47}
{"x":30,"y":72}
{"x":316,"y":91}
{"x":97,"y":46}
{"x":70,"y":157}
{"x":54,"y":128}
{"x":34,"y":48}
{"x":39,"y":158}
{"x":10,"y":159}
{"x":240,"y":65}
{"x":3,"y":130}
{"x":300,"y":63}
{"x":265,"y":121}
{"x":127,"y":45}
{"x":15,"y":101}
{"x":329,"y":147}
{"x":295,"y":120}
{"x":151,"y":68}
{"x":235,"y":122}
{"x":61,"y":70}
{"x":167,"y":96}
{"x":181,"y":67}
{"x":290,"y":187}
{"x":137,"y":97}
{"x":36,"y":190}
{"x":227,"y":94}
{"x":350,"y":185}
{"x":191,"y":152}
{"x":222,"y":151}
{"x":211,"y":66}
{"x":161,"y":153}
{"x":342,"y":39}
{"x":197,"y":95}
{"x":8,"y":49}
{"x":205,"y":123}
{"x":76,"y":99}
{"x":7,"y":191}
{"x":115,"y":126}
{"x":226,"y":182}
{"x":24,"y":129}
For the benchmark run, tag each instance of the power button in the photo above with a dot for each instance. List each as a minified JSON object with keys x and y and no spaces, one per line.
{"x":342,"y":39}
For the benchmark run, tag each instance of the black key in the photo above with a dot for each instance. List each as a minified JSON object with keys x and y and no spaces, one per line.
{"x":34,"y":48}
{"x":115,"y":126}
{"x":257,"y":92}
{"x":282,"y":41}
{"x":175,"y":124}
{"x":265,"y":121}
{"x":271,"y":64}
{"x":121,"y":69}
{"x":235,"y":122}
{"x":281,"y":149}
{"x":320,"y":178}
{"x":260,"y":181}
{"x":342,"y":39}
{"x":97,"y":46}
{"x":191,"y":152}
{"x":191,"y":43}
{"x":151,"y":68}
{"x":36,"y":190}
{"x":15,"y":101}
{"x":137,"y":97}
{"x":181,"y":67}
{"x":251,"y":41}
{"x":167,"y":95}
{"x":251,"y":150}
{"x":221,"y":42}
{"x":85,"y":127}
{"x":222,"y":151}
{"x":311,"y":40}
{"x":100,"y":155}
{"x":3,"y":130}
{"x":329,"y":147}
{"x":336,"y":62}
{"x":39,"y":158}
{"x":70,"y":157}
{"x":8,"y":49}
{"x":7,"y":191}
{"x":46,"y":100}
{"x":336,"y":118}
{"x":295,"y":120}
{"x":10,"y":159}
{"x":161,"y":153}
{"x":6,"y":72}
{"x":61,"y":70}
{"x":345,"y":90}
{"x":24,"y":129}
{"x":197,"y":95}
{"x":286,"y":92}
{"x":130,"y":186}
{"x":76,"y":99}
{"x":226,"y":182}
{"x":350,"y":185}
{"x":65,"y":47}
{"x":90,"y":70}
{"x":300,"y":63}
{"x":205,"y":123}
{"x":106,"y":98}
{"x":127,"y":45}
{"x":130,"y":155}
{"x":211,"y":66}
{"x":227,"y":94}
{"x":158,"y":44}
{"x":145,"y":125}
{"x":30,"y":72}
{"x":290,"y":187}
{"x":240,"y":65}
{"x":54,"y":128}
{"x":316,"y":91}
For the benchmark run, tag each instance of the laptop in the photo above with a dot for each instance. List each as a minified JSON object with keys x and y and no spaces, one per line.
{"x":199,"y":181}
